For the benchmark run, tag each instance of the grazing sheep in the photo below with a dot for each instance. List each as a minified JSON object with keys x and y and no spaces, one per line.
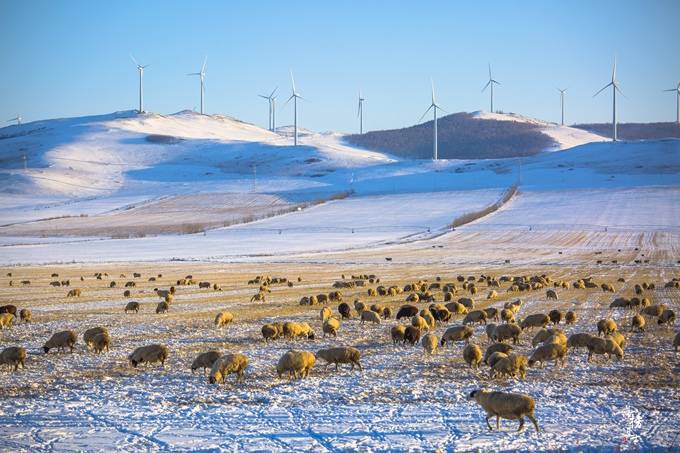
{"x":162,"y":307}
{"x":130,"y":284}
{"x":539,"y":320}
{"x":272,"y":331}
{"x":387,"y":313}
{"x":545,"y":335}
{"x":322,"y":298}
{"x":13,"y":356}
{"x":371,"y":292}
{"x":466,"y":302}
{"x":607,"y":346}
{"x":149,"y":354}
{"x":126,"y":293}
{"x":456,"y":308}
{"x":259,"y":297}
{"x":667,"y":317}
{"x":472,"y":354}
{"x":579,"y":340}
{"x":507,"y":332}
{"x":510,"y":366}
{"x":294,"y":330}
{"x":420,"y":322}
{"x":75,"y":292}
{"x":570,"y":318}
{"x":457,"y":333}
{"x":653,"y":310}
{"x":618,"y":338}
{"x":226,"y":365}
{"x":60,"y":341}
{"x":202,"y":285}
{"x":325,"y":314}
{"x":345,"y":310}
{"x":331,"y":327}
{"x":296,"y":363}
{"x":223,"y":318}
{"x":551,"y":294}
{"x":25,"y":315}
{"x":412,"y":335}
{"x":496,"y":347}
{"x":621,"y":302}
{"x":205,"y":360}
{"x":607,"y":287}
{"x":6,"y":320}
{"x":379,"y":309}
{"x":430,"y":343}
{"x":507,"y":315}
{"x":492,"y":295}
{"x":427,"y":316}
{"x":606,"y":326}
{"x":359,"y":306}
{"x":89,"y":335}
{"x":510,"y":406}
{"x":407,"y":311}
{"x":370,"y":316}
{"x":475,"y":316}
{"x":490,"y":329}
{"x":397,"y":333}
{"x":491,"y":313}
{"x":12,"y":309}
{"x":100,"y":342}
{"x":340,"y":355}
{"x":548,"y":352}
{"x":555,"y":316}
{"x":638,"y":323}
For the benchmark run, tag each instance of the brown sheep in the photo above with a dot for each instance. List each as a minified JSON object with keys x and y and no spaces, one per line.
{"x":430,"y":343}
{"x":638,"y":323}
{"x":507,"y":315}
{"x":162,"y":307}
{"x":126,"y":293}
{"x":579,"y":340}
{"x":340,"y":355}
{"x":223,"y":318}
{"x":606,"y":346}
{"x":539,"y":320}
{"x":555,"y":316}
{"x":456,"y":308}
{"x":272,"y":331}
{"x":474,"y":317}
{"x":132,"y":306}
{"x":6,"y":320}
{"x":548,"y":352}
{"x":370,"y":316}
{"x":60,"y":341}
{"x":75,"y":292}
{"x":667,"y":317}
{"x":205,"y":360}
{"x":606,"y":326}
{"x":296,"y":363}
{"x":13,"y":356}
{"x":88,"y":336}
{"x":420,"y":322}
{"x":491,"y":313}
{"x":100,"y":342}
{"x":325,"y":314}
{"x":570,"y":318}
{"x":510,"y":406}
{"x":511,"y":366}
{"x":496,"y":347}
{"x":12,"y":309}
{"x":294,"y":330}
{"x":345,"y":310}
{"x":397,"y":333}
{"x":490,"y":331}
{"x":551,"y":294}
{"x":467,"y":302}
{"x":25,"y":315}
{"x":472,"y":354}
{"x":457,"y":333}
{"x":331,"y":327}
{"x":149,"y":354}
{"x":507,"y":332}
{"x":235,"y":363}
{"x":412,"y":335}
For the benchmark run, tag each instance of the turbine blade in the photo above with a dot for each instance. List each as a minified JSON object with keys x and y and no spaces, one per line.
{"x":291,"y":97}
{"x":616,"y":87}
{"x":205,"y":60}
{"x":490,"y":71}
{"x":672,"y":89}
{"x":272,"y":95}
{"x":359,"y":110}
{"x":614,"y":71}
{"x":437,"y":106}
{"x":603,"y":88}
{"x":292,"y":79}
{"x":426,"y":111}
{"x":133,"y":60}
{"x":485,"y":86}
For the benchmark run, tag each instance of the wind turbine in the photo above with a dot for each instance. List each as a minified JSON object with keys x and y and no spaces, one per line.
{"x":294,"y":97}
{"x":433,"y":106}
{"x":360,"y":113}
{"x":677,"y":102}
{"x":140,"y":68}
{"x":17,"y":118}
{"x":615,"y":87}
{"x":202,"y":77}
{"x":562,"y":102}
{"x":491,"y":82}
{"x":270,"y":100}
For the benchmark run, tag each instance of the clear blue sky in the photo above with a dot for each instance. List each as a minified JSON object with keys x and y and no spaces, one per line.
{"x":70,"y":58}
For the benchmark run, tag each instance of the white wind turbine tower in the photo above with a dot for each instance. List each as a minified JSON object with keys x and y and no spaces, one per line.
{"x":271,"y":99}
{"x":615,"y":87}
{"x":491,"y":82}
{"x":17,"y":118}
{"x":140,"y":68}
{"x":294,"y":97}
{"x":677,"y":102}
{"x":562,"y":102}
{"x":433,"y":106}
{"x":202,"y":77}
{"x":360,"y":113}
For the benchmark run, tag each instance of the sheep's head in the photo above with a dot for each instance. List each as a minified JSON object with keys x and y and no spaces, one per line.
{"x":134,"y":363}
{"x":310,"y":335}
{"x":215,"y":378}
{"x":46,"y":349}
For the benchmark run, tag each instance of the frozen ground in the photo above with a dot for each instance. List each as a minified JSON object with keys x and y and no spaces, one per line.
{"x":403,"y":399}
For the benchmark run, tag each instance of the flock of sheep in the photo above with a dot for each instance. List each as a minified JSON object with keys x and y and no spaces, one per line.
{"x":504,"y":329}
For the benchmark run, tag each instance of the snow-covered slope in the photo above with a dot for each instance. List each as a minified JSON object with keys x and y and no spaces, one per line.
{"x":564,"y":136}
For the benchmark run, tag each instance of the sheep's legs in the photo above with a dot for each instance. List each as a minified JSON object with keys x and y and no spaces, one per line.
{"x":498,"y":422}
{"x":487,"y":422}
{"x":533,"y":420}
{"x":521,"y":424}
